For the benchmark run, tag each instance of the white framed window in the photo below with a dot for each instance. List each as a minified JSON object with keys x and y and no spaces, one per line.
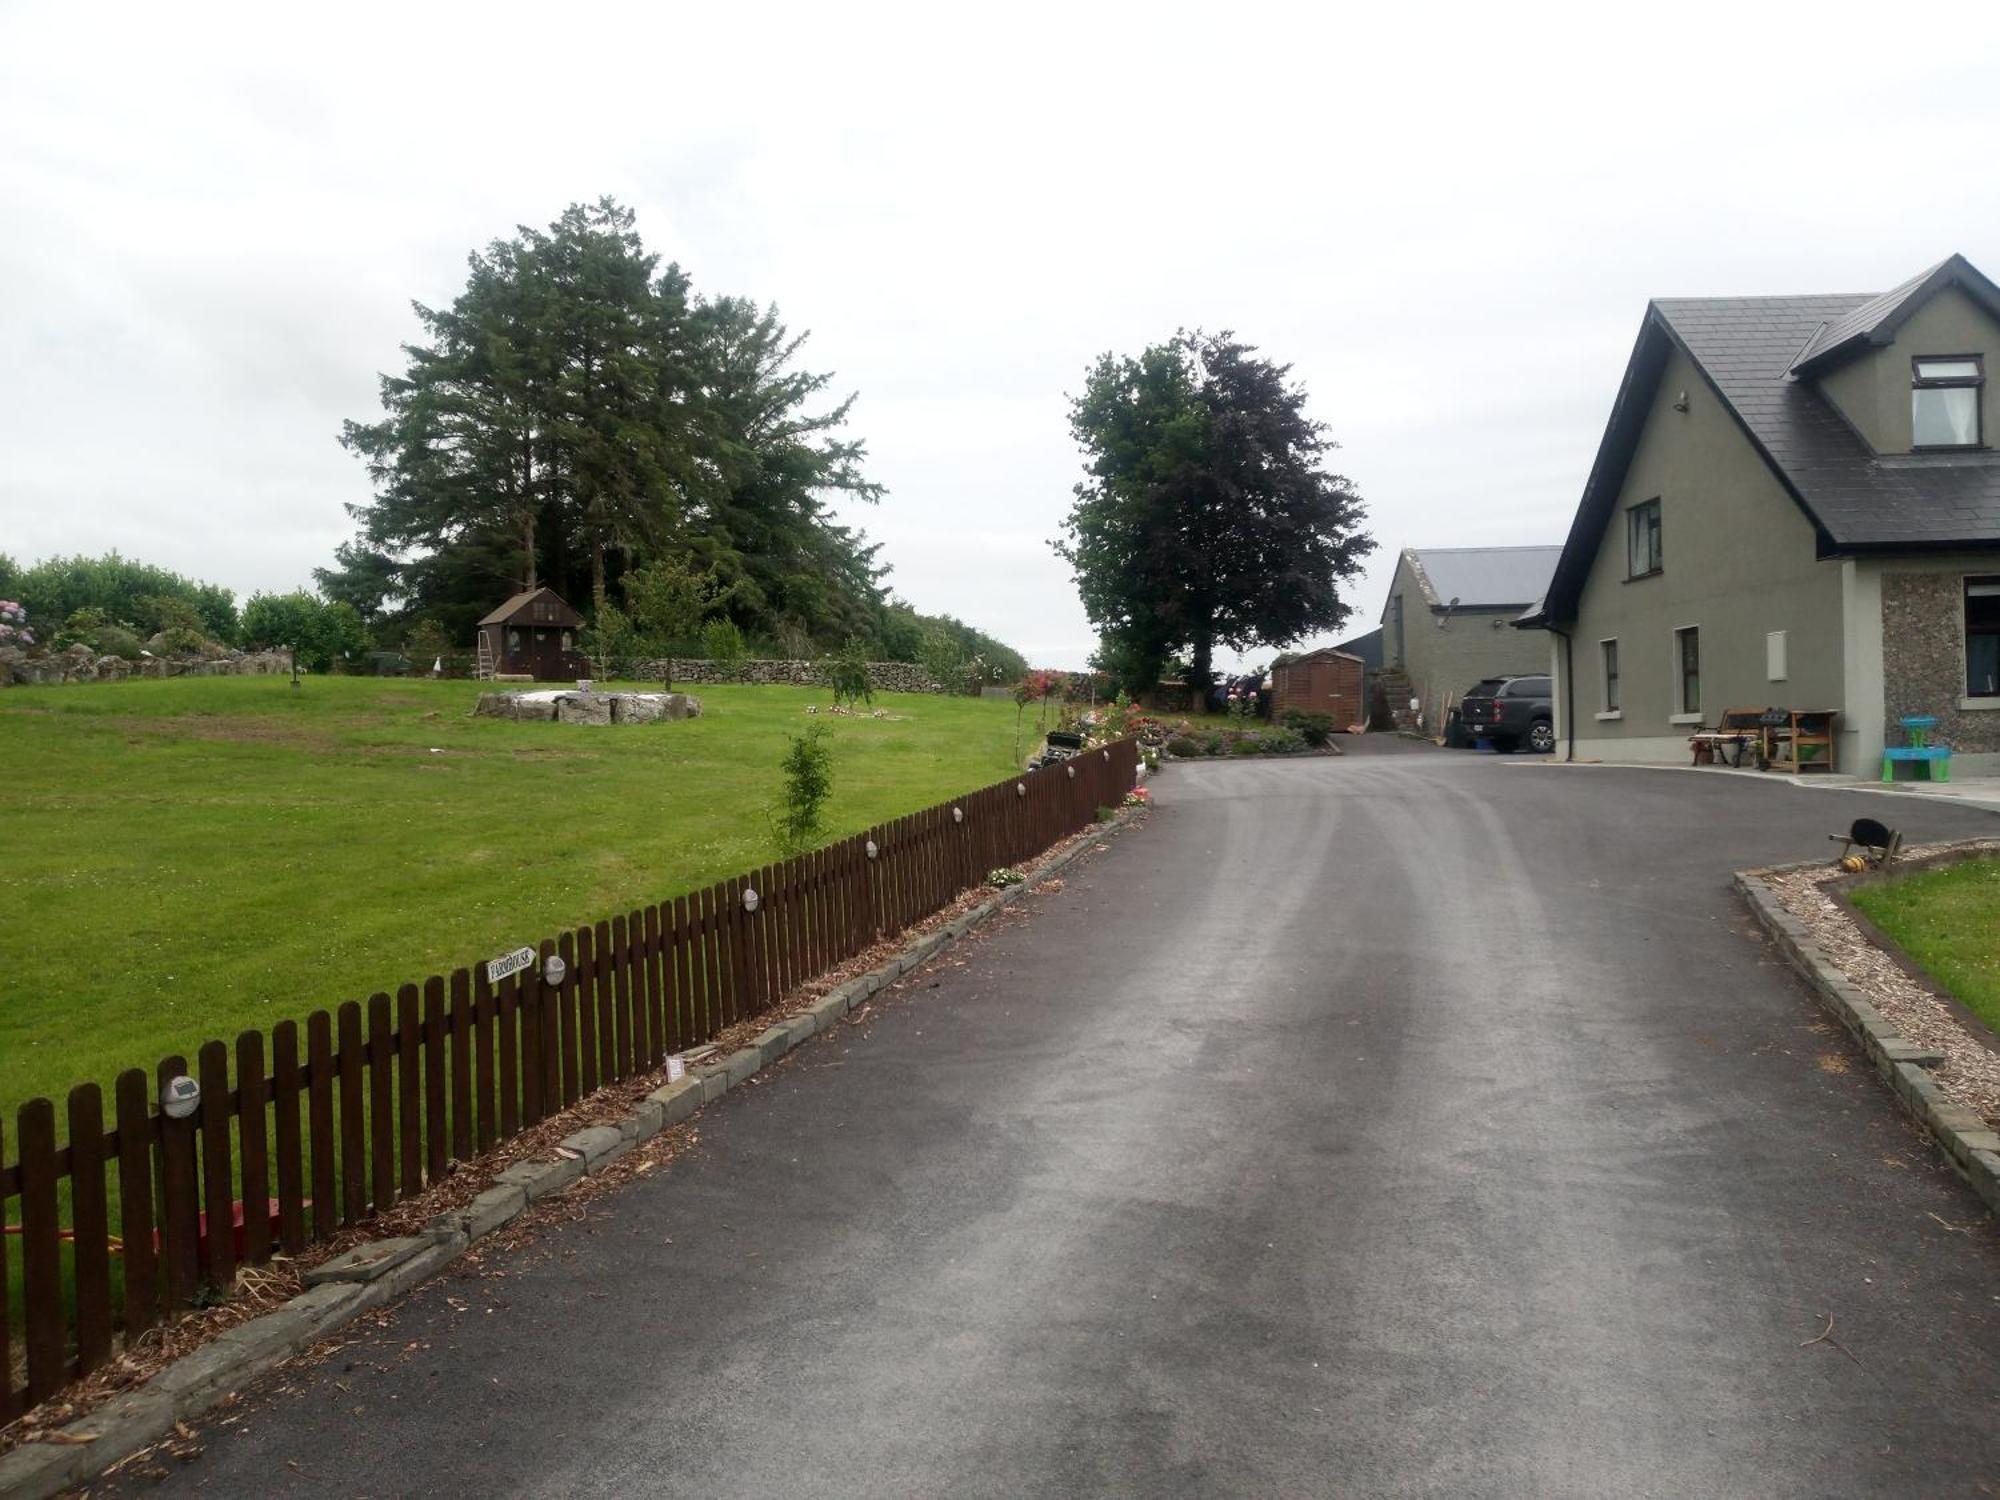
{"x":1687,"y":670}
{"x":1775,"y":663}
{"x":1608,"y":657}
{"x":1944,"y":401}
{"x":1643,"y":555}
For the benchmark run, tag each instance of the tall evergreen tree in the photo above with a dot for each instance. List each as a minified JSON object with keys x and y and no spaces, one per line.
{"x":1206,"y":518}
{"x":576,"y":412}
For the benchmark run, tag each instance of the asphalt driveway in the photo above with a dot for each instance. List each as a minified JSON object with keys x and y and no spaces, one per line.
{"x":1410,"y":1123}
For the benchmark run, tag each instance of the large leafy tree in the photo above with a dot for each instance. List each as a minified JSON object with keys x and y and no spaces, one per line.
{"x":1207,"y":517}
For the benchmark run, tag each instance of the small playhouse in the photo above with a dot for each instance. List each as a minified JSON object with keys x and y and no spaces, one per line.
{"x":1321,"y":682}
{"x":532,"y":638}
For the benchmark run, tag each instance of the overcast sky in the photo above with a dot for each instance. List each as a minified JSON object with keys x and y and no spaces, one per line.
{"x":213,"y":220}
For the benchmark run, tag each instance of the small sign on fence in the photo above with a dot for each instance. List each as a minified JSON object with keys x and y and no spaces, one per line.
{"x":498,"y":969}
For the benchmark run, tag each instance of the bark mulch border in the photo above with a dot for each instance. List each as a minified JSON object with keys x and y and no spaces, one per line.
{"x":1971,"y":1147}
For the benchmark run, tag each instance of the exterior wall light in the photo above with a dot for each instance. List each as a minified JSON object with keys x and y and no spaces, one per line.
{"x":750,"y":898}
{"x":958,"y":815}
{"x":874,"y":850}
{"x":179,"y":1097}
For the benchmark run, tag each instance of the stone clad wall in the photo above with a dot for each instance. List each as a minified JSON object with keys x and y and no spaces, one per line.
{"x":1923,"y":661}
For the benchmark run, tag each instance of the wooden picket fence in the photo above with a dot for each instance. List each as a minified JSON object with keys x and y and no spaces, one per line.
{"x":315,"y":1129}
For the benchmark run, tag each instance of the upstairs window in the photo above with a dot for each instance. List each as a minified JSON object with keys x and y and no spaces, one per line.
{"x":1642,"y":539}
{"x":1982,"y":637}
{"x":1944,"y":402}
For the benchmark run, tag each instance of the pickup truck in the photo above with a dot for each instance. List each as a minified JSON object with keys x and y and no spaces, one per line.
{"x":1511,"y":712}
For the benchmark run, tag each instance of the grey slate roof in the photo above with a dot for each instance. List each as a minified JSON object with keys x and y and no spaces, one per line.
{"x":1858,"y":323}
{"x":1484,"y":577}
{"x":1746,"y":346}
{"x":1760,"y":355}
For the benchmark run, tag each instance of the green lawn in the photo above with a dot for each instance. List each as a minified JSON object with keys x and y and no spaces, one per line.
{"x":182,"y":860}
{"x":1948,"y":920}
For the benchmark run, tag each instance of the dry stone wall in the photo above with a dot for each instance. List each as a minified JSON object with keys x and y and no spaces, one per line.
{"x":885,"y":676}
{"x":81,"y":664}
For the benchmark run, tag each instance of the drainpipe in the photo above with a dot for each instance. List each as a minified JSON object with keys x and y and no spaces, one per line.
{"x":1569,"y":691}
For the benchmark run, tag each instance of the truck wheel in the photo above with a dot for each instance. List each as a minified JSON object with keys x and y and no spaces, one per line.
{"x":1541,"y":737}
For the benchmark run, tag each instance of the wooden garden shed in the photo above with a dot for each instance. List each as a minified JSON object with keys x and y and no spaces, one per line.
{"x":1326,"y":681}
{"x":533,"y":635}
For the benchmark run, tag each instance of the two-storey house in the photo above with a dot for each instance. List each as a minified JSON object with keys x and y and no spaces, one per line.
{"x":1796,"y":504}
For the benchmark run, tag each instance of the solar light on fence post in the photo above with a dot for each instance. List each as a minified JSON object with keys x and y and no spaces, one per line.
{"x":554,"y":970}
{"x":873,"y":849}
{"x":750,"y":899}
{"x":958,"y":815}
{"x":1020,"y":789}
{"x":180,"y":1097}
{"x":1070,"y":771}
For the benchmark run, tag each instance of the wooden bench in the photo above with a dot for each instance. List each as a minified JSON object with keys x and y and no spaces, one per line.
{"x":1934,"y":760}
{"x":1738,"y":729}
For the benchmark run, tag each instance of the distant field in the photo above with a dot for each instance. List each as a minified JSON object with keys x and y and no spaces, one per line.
{"x":182,"y":860}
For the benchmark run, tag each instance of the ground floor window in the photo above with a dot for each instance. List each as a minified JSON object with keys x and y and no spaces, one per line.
{"x":1610,"y":651}
{"x":1687,"y":669}
{"x":1982,"y":637}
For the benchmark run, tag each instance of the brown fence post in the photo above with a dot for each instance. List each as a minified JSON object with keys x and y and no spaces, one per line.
{"x":463,"y":1022}
{"x":41,"y":1250}
{"x":586,"y":1008}
{"x":410,"y":1090}
{"x":483,"y":1040}
{"x":90,"y":1227}
{"x":252,"y":1137}
{"x":285,"y":1090}
{"x":319,"y":1122}
{"x":437,"y":1131}
{"x":180,"y":1213}
{"x":9,"y":1403}
{"x":218,"y":1180}
{"x":381,"y":1108}
{"x":135,"y":1206}
{"x":353,"y":1144}
{"x":566,"y":1018}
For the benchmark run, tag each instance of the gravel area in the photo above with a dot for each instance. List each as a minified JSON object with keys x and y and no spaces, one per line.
{"x":1970,"y":1073}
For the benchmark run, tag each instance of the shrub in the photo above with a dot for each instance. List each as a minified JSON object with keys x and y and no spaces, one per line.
{"x":82,"y":627}
{"x":319,"y":632}
{"x":1248,"y":744}
{"x":1283,"y":742}
{"x":808,"y":768}
{"x":722,"y":643}
{"x":609,"y":639}
{"x":1181,"y":747}
{"x":115,"y":640}
{"x":1315,"y":729}
{"x":1007,"y":875}
{"x":180,"y":625}
{"x":847,"y":670}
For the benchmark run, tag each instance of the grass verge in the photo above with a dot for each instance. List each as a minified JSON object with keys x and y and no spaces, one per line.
{"x":1948,"y":921}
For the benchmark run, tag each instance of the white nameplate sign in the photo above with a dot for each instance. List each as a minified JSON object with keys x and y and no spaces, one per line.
{"x":498,"y":969}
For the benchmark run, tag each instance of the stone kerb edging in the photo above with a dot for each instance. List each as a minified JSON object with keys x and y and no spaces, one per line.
{"x":1967,"y":1142}
{"x":367,"y":1277}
